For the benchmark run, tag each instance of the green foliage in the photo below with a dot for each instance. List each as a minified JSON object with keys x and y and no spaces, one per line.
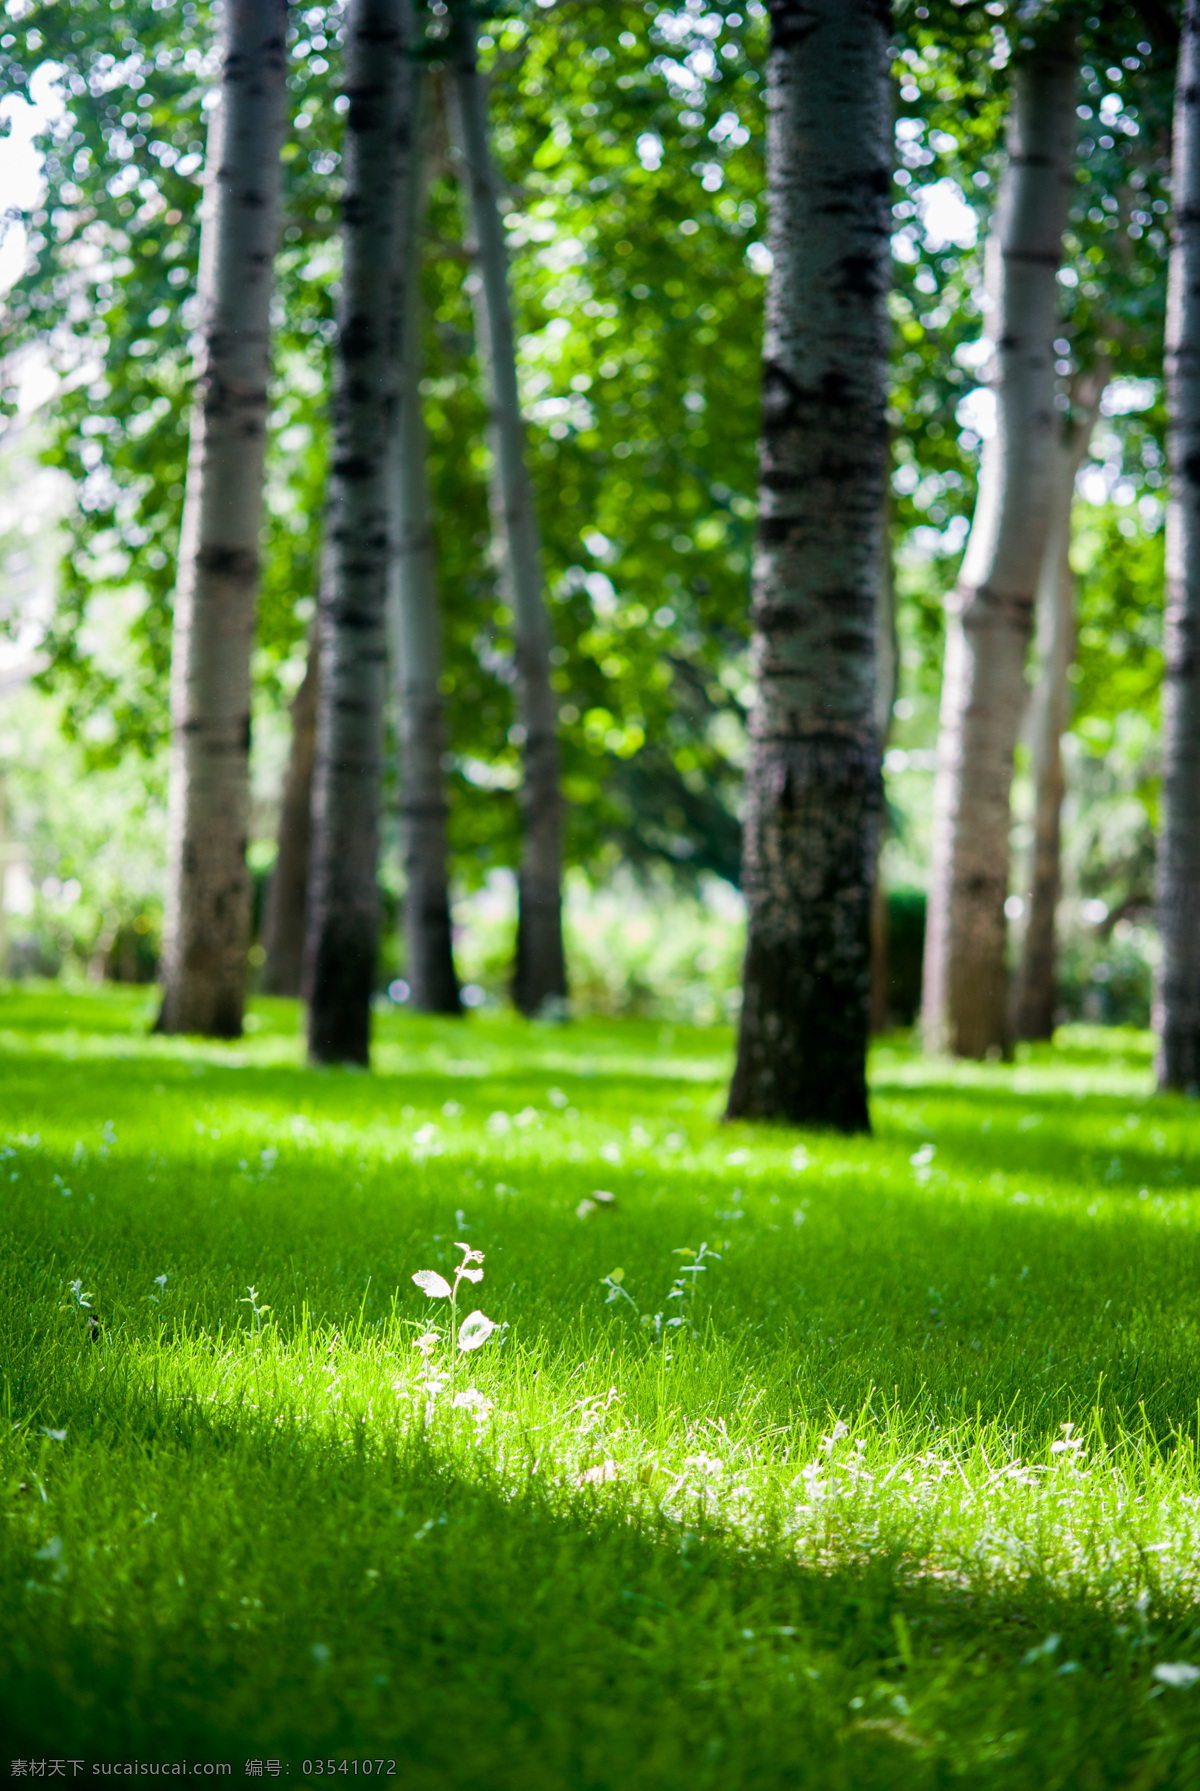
{"x":635,"y":946}
{"x":904,"y":1492}
{"x":631,"y":142}
{"x":110,"y":290}
{"x":1117,"y":679}
{"x":629,"y":216}
{"x":91,"y":850}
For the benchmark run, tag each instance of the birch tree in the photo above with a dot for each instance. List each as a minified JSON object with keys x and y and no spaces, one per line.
{"x":343,"y":925}
{"x":1035,"y":989}
{"x":540,"y":982}
{"x":813,"y":791}
{"x":207,"y":925}
{"x":286,"y":917}
{"x":1178,"y":995}
{"x":417,"y":644}
{"x":989,"y":616}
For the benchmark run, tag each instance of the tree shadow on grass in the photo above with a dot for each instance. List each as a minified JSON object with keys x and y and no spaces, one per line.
{"x":1111,"y":1143}
{"x":954,"y":1305}
{"x":1089,"y":1145}
{"x":36,"y":1081}
{"x":297,"y":1594}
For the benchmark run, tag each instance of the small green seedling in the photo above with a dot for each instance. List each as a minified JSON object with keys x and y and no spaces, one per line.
{"x":475,"y":1328}
{"x":257,"y":1312}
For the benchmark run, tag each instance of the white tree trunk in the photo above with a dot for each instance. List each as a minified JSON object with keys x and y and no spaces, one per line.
{"x":417,"y":642}
{"x":990,"y":614}
{"x":887,"y":683}
{"x":343,"y":926}
{"x":1177,"y":1017}
{"x":286,"y":919}
{"x":208,"y":892}
{"x":813,"y":784}
{"x":1035,"y":989}
{"x":540,"y":983}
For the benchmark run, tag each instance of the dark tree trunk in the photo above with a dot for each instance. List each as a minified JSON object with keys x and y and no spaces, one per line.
{"x":417,"y":641}
{"x":990,"y":615}
{"x":343,"y":928}
{"x":287,"y":892}
{"x":540,"y":982}
{"x":207,"y":928}
{"x":1035,"y":986}
{"x":813,"y":782}
{"x":1178,"y":996}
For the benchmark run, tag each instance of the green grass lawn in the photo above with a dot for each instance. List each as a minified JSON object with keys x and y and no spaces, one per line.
{"x":900,"y":1489}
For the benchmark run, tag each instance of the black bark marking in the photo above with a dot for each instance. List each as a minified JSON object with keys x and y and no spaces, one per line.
{"x":228,"y":562}
{"x":781,"y":398}
{"x":793,"y":22}
{"x":861,"y":276}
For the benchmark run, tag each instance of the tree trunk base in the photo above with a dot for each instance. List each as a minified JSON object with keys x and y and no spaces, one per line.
{"x":540,"y":982}
{"x":811,"y":821}
{"x":801,"y":1049}
{"x":339,"y":1013}
{"x":431,"y":973}
{"x":219,"y":1019}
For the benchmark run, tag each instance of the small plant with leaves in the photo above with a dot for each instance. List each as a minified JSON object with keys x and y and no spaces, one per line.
{"x":475,"y":1329}
{"x":685,"y":1291}
{"x":257,"y":1313}
{"x":81,"y":1301}
{"x":615,"y":1283}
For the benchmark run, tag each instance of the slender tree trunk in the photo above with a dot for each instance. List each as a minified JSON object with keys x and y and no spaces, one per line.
{"x":343,"y":926}
{"x":990,"y":614}
{"x":287,"y":893}
{"x":417,"y":638}
{"x":813,"y":781}
{"x":1178,"y":996}
{"x":4,"y":864}
{"x":1035,"y":987}
{"x":887,"y":681}
{"x":540,"y":983}
{"x":208,"y":889}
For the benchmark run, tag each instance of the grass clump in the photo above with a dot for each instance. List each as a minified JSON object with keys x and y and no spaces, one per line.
{"x":791,"y":1460}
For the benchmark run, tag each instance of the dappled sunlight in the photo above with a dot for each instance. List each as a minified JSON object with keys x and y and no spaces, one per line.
{"x":685,"y":1428}
{"x":391,"y":1557}
{"x":950,"y":1371}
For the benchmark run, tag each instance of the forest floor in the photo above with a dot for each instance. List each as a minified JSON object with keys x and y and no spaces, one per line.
{"x":899,"y":1489}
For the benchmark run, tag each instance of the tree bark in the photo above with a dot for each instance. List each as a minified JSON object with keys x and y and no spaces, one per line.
{"x":989,"y":616}
{"x":417,"y":641}
{"x":207,"y":923}
{"x":1035,"y":987}
{"x":540,"y":981}
{"x":813,"y":781}
{"x":343,"y":928}
{"x":1177,"y":1004}
{"x":287,"y":892}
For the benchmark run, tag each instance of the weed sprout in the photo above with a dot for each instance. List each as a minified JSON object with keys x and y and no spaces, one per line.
{"x":475,"y":1328}
{"x":257,"y":1312}
{"x":616,"y":1288}
{"x":681,"y":1290}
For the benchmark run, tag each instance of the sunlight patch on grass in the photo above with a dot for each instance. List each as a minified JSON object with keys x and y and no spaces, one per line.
{"x":786,"y":1448}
